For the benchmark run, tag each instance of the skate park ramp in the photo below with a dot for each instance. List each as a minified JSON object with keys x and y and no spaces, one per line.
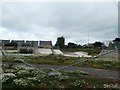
{"x":77,"y":54}
{"x":57,"y":51}
{"x":82,"y":54}
{"x":44,"y":51}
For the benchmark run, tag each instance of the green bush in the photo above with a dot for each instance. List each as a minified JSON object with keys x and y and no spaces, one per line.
{"x":26,"y":50}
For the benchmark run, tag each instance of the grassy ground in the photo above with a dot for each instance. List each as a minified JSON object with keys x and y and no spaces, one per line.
{"x":21,"y":77}
{"x":104,"y":63}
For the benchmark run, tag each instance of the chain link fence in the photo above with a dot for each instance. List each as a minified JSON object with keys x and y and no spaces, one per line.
{"x":1,"y":71}
{"x":110,"y":49}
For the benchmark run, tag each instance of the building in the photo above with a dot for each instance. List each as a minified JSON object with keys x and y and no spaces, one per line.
{"x":5,"y":42}
{"x":17,"y":41}
{"x":32,"y":43}
{"x":45,"y":44}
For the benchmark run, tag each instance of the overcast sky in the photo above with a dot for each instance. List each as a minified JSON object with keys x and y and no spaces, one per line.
{"x":49,"y":20}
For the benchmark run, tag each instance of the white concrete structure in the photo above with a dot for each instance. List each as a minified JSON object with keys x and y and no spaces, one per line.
{"x":57,"y":51}
{"x":77,"y":54}
{"x":44,"y":51}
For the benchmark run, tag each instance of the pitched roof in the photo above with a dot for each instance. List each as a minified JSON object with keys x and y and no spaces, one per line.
{"x":45,"y":43}
{"x":16,"y":41}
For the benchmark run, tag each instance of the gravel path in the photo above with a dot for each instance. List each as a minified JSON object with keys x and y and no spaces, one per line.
{"x":103,"y":73}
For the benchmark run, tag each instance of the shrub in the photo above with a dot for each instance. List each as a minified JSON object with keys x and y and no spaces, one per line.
{"x":22,"y":73}
{"x":78,"y":83}
{"x":53,"y":84}
{"x":9,"y":71}
{"x":62,"y":77}
{"x":7,"y":76}
{"x":111,"y":86}
{"x":23,"y":82}
{"x":26,"y":50}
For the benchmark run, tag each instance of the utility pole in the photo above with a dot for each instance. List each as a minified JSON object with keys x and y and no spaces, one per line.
{"x":119,"y":19}
{"x":88,"y":40}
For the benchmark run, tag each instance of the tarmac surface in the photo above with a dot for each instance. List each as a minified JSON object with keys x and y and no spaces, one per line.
{"x":102,"y":73}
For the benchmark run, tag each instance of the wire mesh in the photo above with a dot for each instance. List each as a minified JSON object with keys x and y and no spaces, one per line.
{"x":110,"y":49}
{"x":1,"y":71}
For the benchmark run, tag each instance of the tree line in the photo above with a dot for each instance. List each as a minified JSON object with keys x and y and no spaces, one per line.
{"x":60,"y":43}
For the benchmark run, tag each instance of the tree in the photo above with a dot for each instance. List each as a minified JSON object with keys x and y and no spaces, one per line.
{"x":72,"y":45}
{"x":111,"y":45}
{"x":60,"y":42}
{"x":97,"y":44}
{"x":117,"y":42}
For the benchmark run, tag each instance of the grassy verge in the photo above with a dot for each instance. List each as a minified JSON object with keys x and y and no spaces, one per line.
{"x":103,"y":63}
{"x":22,"y":77}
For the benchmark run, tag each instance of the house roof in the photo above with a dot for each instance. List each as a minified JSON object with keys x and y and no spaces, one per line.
{"x":45,"y":43}
{"x":5,"y":40}
{"x":31,"y":41}
{"x":17,"y":41}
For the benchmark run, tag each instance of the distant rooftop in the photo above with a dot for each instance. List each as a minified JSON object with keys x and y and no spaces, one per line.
{"x":17,"y":41}
{"x":45,"y":43}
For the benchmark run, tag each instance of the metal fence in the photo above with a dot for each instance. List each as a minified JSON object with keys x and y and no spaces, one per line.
{"x":110,"y":49}
{"x":1,"y":71}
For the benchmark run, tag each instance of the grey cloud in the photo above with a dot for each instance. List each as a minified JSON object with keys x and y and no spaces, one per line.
{"x":72,"y":20}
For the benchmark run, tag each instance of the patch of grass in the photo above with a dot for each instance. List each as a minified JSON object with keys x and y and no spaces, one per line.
{"x":103,"y":63}
{"x":38,"y":80}
{"x":52,"y":59}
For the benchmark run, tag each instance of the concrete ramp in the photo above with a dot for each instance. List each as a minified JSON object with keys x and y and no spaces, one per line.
{"x":57,"y":51}
{"x":44,"y":51}
{"x":77,"y":54}
{"x":82,"y":54}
